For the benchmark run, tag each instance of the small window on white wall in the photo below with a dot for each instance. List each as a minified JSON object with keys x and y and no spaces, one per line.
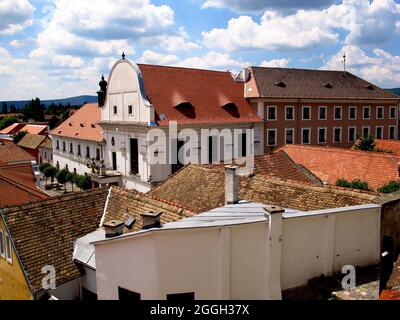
{"x":115,"y":109}
{"x":2,"y":246}
{"x":8,"y":249}
{"x":130,"y":109}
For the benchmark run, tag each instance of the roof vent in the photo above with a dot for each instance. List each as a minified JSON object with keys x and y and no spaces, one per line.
{"x":370,"y":87}
{"x":93,"y":125}
{"x":130,"y":222}
{"x":113,"y":228}
{"x":70,"y":124}
{"x":82,"y":125}
{"x":59,"y":131}
{"x":151,"y":219}
{"x":280,"y":84}
{"x":163,"y":116}
{"x":328,"y":86}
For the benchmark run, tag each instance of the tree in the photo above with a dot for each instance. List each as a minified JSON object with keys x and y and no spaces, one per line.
{"x":62,"y":177}
{"x":72,"y":178}
{"x":84,"y":182}
{"x":366,"y":143}
{"x":13,"y":109}
{"x":4,"y":108}
{"x":19,"y":135}
{"x":50,"y":172}
{"x":43,"y":166}
{"x":7,"y":121}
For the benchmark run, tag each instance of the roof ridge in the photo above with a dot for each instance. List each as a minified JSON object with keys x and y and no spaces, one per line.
{"x":182,"y":68}
{"x":22,"y":186}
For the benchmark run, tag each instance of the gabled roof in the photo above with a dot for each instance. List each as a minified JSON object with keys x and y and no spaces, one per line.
{"x":201,"y":189}
{"x":82,"y":124}
{"x":43,"y":232}
{"x":330,"y":164}
{"x":17,"y":185}
{"x":46,"y":143}
{"x":15,"y":127}
{"x":303,"y":83}
{"x":192,"y":96}
{"x":123,"y":204}
{"x":31,"y":141}
{"x":11,"y":153}
{"x":35,"y":128}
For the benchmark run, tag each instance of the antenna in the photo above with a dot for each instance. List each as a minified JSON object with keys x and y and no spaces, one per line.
{"x":344,"y":61}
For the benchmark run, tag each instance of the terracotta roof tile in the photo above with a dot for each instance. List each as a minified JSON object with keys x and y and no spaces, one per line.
{"x":35,"y":129}
{"x":84,"y":122}
{"x":207,"y":91}
{"x":303,"y":83}
{"x":330,"y":164}
{"x":11,"y":153}
{"x":46,"y":143}
{"x":201,"y":189}
{"x":389,"y":146}
{"x":15,"y":127}
{"x":123,"y":204}
{"x":43,"y":232}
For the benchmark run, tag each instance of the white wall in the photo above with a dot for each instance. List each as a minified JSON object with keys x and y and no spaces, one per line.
{"x":232,"y":262}
{"x":45,"y":155}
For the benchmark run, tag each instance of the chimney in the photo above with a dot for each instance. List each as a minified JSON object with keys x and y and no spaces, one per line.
{"x":151,"y":219}
{"x":101,"y":94}
{"x":232,"y":184}
{"x":113,"y":228}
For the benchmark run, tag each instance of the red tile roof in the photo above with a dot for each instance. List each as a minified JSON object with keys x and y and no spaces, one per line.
{"x":11,"y":153}
{"x":83,"y":124}
{"x":35,"y":129}
{"x":390,"y":146}
{"x":15,"y":127}
{"x":214,"y":96}
{"x":305,"y":83}
{"x":330,"y":164}
{"x":17,"y":185}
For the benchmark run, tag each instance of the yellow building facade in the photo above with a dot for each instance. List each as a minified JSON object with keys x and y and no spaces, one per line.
{"x":13,"y":283}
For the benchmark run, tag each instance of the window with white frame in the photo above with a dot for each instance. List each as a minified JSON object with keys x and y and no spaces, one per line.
{"x":322,"y":113}
{"x":392,"y":112}
{"x":337,"y":113}
{"x":306,"y":113}
{"x":367,"y":112}
{"x":8,"y":249}
{"x":306,"y":135}
{"x":379,"y":132}
{"x":271,"y":137}
{"x":365,"y":132}
{"x":352,"y":134}
{"x":392,"y":132}
{"x":352,"y":113}
{"x":379,"y":112}
{"x":289,"y":136}
{"x":2,"y":246}
{"x":321,"y":135}
{"x":271,"y":113}
{"x":289,"y":113}
{"x":337,"y":135}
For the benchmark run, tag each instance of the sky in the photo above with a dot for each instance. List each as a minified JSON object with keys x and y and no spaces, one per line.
{"x":59,"y":48}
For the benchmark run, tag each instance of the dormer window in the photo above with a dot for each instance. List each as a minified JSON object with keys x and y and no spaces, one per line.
{"x":130,"y":109}
{"x":370,"y":87}
{"x":280,"y":84}
{"x":115,"y":109}
{"x":328,"y":86}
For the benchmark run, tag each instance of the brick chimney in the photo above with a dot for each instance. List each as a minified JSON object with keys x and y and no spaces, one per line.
{"x":113,"y":228}
{"x":151,"y":219}
{"x":232,"y":184}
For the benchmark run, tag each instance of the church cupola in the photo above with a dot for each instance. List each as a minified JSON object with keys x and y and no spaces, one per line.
{"x":101,"y":94}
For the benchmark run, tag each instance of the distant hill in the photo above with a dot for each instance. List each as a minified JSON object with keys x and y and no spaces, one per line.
{"x":73,"y":101}
{"x":395,"y":91}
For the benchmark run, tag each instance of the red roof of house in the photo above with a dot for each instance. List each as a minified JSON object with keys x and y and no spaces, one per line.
{"x":15,"y":127}
{"x":35,"y":128}
{"x":330,"y":164}
{"x":195,"y":96}
{"x":390,"y":146}
{"x":11,"y":153}
{"x":83,"y":124}
{"x":17,"y":185}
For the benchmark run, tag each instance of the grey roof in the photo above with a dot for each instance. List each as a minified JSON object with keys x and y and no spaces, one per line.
{"x":84,"y":252}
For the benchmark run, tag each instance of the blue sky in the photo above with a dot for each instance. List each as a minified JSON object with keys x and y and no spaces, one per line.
{"x":59,"y":48}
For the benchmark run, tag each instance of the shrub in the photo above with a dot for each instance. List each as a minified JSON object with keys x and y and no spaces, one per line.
{"x":391,"y":186}
{"x":355,"y":184}
{"x":366,"y":143}
{"x":84,"y":182}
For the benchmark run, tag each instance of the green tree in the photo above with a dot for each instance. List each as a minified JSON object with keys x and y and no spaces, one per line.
{"x":84,"y":182}
{"x":50,"y":172}
{"x":62,"y":177}
{"x":366,"y":143}
{"x":391,"y":186}
{"x":43,"y":166}
{"x":19,"y":135}
{"x":72,"y":178}
{"x":343,"y":183}
{"x":8,"y":121}
{"x":4,"y":108}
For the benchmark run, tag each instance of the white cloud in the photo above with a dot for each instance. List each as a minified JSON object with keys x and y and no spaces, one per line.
{"x":152,"y":57}
{"x":363,"y":22}
{"x":279,"y":63}
{"x":15,"y":15}
{"x":381,"y":67}
{"x":258,"y":5}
